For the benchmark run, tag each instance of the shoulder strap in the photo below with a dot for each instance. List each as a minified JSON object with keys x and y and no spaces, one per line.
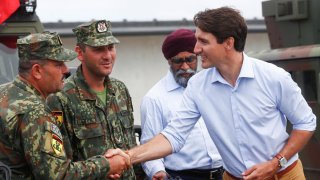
{"x":5,"y":170}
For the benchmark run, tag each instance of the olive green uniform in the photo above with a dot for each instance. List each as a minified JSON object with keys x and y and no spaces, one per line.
{"x":91,"y":126}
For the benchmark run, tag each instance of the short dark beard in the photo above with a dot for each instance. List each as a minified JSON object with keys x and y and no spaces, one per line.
{"x":182,"y":81}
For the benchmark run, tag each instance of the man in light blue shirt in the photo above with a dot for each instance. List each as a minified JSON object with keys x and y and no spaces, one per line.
{"x":245,"y":104}
{"x":199,"y":158}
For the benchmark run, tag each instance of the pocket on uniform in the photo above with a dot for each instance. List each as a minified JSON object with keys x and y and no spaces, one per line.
{"x":126,"y":119}
{"x":122,"y":129}
{"x":87,"y":126}
{"x":88,"y":131}
{"x":91,"y":139}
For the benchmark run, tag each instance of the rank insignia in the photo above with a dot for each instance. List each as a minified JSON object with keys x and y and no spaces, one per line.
{"x":59,"y":117}
{"x":56,"y":144}
{"x":101,"y":27}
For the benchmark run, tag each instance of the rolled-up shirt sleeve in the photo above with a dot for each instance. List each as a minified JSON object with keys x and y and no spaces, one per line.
{"x":294,"y":106}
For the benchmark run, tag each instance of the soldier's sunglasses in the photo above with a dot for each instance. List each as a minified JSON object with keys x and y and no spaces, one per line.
{"x":189,"y":60}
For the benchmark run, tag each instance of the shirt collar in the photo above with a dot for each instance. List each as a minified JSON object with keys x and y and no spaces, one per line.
{"x":247,"y":67}
{"x":171,"y":83}
{"x":83,"y":88}
{"x":245,"y":72}
{"x":27,"y":86}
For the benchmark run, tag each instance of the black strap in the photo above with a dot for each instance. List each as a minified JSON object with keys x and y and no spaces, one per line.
{"x":5,"y":170}
{"x":214,"y":174}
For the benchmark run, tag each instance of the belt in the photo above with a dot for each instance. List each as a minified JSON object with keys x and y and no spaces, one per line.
{"x":279,"y":174}
{"x":206,"y":173}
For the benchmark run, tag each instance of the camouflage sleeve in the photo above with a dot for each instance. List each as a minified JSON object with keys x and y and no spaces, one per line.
{"x":64,"y":117}
{"x":58,"y":104}
{"x":45,"y":153}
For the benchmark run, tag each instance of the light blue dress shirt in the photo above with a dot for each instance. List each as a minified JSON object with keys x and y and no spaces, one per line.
{"x":199,"y":152}
{"x":248,"y":121}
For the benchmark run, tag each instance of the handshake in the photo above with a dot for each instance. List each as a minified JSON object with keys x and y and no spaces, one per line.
{"x":119,"y":161}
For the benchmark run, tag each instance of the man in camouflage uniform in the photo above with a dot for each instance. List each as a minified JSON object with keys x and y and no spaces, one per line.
{"x":31,"y":143}
{"x":96,"y":109}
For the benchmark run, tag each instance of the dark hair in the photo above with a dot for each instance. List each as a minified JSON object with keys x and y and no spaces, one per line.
{"x":223,"y":23}
{"x":25,"y":66}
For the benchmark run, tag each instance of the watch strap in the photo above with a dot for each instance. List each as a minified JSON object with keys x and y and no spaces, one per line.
{"x":279,"y":157}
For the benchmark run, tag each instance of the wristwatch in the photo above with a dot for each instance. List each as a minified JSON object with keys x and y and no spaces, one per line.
{"x":282,"y":160}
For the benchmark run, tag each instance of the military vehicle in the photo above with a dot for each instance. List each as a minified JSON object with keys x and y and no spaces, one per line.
{"x":293,"y":28}
{"x":22,"y":22}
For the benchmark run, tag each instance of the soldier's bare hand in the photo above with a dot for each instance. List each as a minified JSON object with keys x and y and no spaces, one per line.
{"x":261,"y":171}
{"x":112,"y":152}
{"x":114,"y":176}
{"x":118,"y":165}
{"x":161,"y":175}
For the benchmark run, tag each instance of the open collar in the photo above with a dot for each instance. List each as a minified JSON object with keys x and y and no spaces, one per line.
{"x":245,"y":72}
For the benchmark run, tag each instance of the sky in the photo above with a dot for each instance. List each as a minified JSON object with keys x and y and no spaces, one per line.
{"x":137,"y":10}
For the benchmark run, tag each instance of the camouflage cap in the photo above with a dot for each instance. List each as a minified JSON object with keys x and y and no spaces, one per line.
{"x":95,"y":33}
{"x":44,"y":45}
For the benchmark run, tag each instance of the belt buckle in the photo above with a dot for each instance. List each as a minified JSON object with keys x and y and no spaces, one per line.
{"x":213,"y":174}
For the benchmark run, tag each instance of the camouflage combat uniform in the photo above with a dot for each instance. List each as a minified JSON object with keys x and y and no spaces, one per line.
{"x":30,"y":141}
{"x":91,"y":126}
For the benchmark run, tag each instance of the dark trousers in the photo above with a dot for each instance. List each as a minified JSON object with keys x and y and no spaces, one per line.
{"x":196,"y":174}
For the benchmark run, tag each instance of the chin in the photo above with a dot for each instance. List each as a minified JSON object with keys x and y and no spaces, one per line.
{"x":107,"y":73}
{"x":204,"y":66}
{"x":58,"y":89}
{"x":104,"y":72}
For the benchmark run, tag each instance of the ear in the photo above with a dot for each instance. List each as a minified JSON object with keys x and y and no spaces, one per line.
{"x":80,"y":53}
{"x":169,"y":62}
{"x":229,"y":43}
{"x":36,"y":71}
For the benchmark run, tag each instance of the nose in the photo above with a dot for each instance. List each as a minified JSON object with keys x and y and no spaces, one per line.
{"x":197,"y":49}
{"x":106,"y":53}
{"x":184,"y":66}
{"x":64,"y":69}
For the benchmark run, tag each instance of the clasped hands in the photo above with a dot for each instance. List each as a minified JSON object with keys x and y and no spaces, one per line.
{"x":119,"y":161}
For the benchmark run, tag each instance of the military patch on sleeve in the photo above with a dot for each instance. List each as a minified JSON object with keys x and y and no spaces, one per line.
{"x":56,"y":131}
{"x":59,"y":116}
{"x":56,"y":144}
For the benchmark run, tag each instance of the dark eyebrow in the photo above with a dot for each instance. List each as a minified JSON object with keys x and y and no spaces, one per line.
{"x":202,"y":39}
